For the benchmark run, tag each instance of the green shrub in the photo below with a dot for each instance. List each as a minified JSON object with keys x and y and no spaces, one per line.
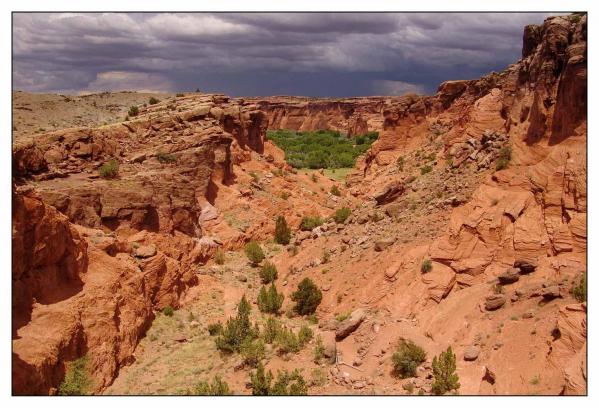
{"x":504,"y":158}
{"x":318,"y":350}
{"x":270,"y":300}
{"x":426,"y":266}
{"x":217,"y":387}
{"x":215,"y":329}
{"x":407,"y":359}
{"x":307,"y":297}
{"x":445,"y":378}
{"x":309,"y":223}
{"x":289,"y":384}
{"x":282,"y":231}
{"x":286,"y":384}
{"x":254,"y":252}
{"x":168,"y":311}
{"x":312,"y":319}
{"x":305,"y":335}
{"x":335,"y":191}
{"x":77,"y":379}
{"x":271,"y":330}
{"x":254,"y":176}
{"x":426,"y":169}
{"x":288,"y":341}
{"x":110,"y":169}
{"x":580,"y":291}
{"x":342,"y":214}
{"x":400,"y":163}
{"x":252,"y":351}
{"x":219,"y":257}
{"x":260,"y":381}
{"x":343,"y":316}
{"x":268,"y":273}
{"x":237,"y":329}
{"x":153,"y":101}
{"x":166,"y":158}
{"x":133,"y":111}
{"x":179,"y":95}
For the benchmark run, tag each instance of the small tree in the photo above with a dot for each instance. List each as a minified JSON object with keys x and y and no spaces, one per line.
{"x":426,"y":266}
{"x":289,"y":384}
{"x":272,"y":328}
{"x":260,"y":381}
{"x":217,"y":387}
{"x":237,"y":329}
{"x":254,"y":252}
{"x":110,"y":169}
{"x":342,"y":214}
{"x":407,"y":359}
{"x":168,"y":311}
{"x":505,"y":156}
{"x":580,"y":290}
{"x":307,"y":297}
{"x":282,"y":231}
{"x":268,"y":273}
{"x":252,"y":351}
{"x":309,"y":223}
{"x":219,"y":257}
{"x":270,"y":301}
{"x":77,"y":379}
{"x":133,"y":111}
{"x":444,"y":373}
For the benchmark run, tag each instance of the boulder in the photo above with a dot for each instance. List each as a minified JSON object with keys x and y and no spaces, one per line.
{"x":350,"y":324}
{"x":551,"y":292}
{"x":389,"y":193}
{"x":525,"y":265}
{"x":510,"y":276}
{"x":471,"y":353}
{"x":493,"y":302}
{"x":330,"y":346}
{"x":383,"y":244}
{"x":145,"y":251}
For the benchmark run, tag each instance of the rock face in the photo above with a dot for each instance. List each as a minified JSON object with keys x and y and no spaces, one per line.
{"x":186,"y":154}
{"x":97,"y":289}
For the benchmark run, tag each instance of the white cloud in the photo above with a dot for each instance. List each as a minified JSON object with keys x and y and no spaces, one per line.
{"x":127,"y":81}
{"x":388,"y":87}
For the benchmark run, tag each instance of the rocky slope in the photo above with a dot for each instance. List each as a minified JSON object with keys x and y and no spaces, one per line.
{"x":33,"y":112}
{"x":98,"y":257}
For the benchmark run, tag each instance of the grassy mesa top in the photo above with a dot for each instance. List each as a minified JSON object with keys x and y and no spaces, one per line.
{"x":323,"y":149}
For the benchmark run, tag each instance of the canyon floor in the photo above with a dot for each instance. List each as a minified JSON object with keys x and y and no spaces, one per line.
{"x":467,"y":229}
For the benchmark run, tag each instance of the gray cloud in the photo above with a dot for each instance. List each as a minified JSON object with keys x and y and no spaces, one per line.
{"x":319,"y":54}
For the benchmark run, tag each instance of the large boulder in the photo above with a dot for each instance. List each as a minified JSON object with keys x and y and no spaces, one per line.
{"x":389,"y":193}
{"x":510,"y":276}
{"x":493,"y":302}
{"x":350,"y":324}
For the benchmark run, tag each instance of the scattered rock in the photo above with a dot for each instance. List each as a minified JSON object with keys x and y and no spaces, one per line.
{"x":471,"y":353}
{"x":145,"y":251}
{"x":551,"y":292}
{"x":489,"y":376}
{"x":493,"y":302}
{"x":382,"y":244}
{"x":525,"y":265}
{"x":510,"y":276}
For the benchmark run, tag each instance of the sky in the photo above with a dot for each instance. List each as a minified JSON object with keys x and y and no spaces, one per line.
{"x":261,"y":54}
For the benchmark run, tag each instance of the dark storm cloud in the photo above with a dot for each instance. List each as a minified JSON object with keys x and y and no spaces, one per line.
{"x":324,"y":54}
